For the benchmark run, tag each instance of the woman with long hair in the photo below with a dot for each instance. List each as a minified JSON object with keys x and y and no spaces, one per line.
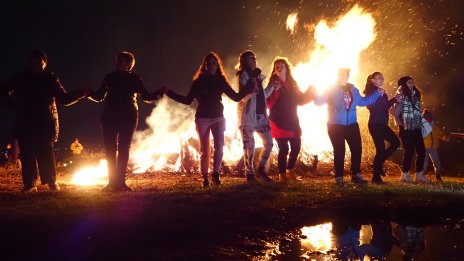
{"x":209,"y":83}
{"x":252,"y":116}
{"x":408,"y":116}
{"x":378,"y":125}
{"x":283,"y":116}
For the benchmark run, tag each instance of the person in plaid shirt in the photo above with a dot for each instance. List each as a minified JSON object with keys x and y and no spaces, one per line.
{"x":408,"y":116}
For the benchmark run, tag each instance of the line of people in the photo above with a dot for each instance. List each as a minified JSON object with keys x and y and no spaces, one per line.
{"x":32,"y":93}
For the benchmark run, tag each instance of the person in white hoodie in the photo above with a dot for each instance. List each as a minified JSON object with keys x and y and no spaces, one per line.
{"x":252,"y":115}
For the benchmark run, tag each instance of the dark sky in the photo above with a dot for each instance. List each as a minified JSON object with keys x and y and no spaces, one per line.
{"x":169,"y":38}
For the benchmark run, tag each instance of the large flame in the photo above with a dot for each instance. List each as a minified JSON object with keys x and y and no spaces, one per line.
{"x":171,"y":125}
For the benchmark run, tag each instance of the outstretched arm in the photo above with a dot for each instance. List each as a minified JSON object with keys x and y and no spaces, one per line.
{"x":227,"y":89}
{"x":100,"y":94}
{"x":147,"y":96}
{"x":367,"y":100}
{"x":68,"y":98}
{"x":181,"y":98}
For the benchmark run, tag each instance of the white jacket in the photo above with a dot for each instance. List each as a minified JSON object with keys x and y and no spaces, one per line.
{"x":246,"y":108}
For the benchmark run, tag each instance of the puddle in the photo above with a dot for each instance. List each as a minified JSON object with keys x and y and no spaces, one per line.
{"x":379,"y":240}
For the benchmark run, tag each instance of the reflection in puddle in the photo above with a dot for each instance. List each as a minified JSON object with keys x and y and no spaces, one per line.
{"x":380,"y":240}
{"x":317,"y":238}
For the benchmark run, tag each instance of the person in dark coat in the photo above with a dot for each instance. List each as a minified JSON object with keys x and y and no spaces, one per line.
{"x":209,"y":83}
{"x":31,"y":93}
{"x":283,"y":116}
{"x":378,"y":126}
{"x":119,"y":90}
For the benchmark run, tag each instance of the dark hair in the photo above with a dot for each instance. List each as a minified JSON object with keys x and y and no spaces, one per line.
{"x":127,"y":57}
{"x":288,"y":67}
{"x":370,"y":86}
{"x":202,"y":69}
{"x":242,"y":61}
{"x":405,"y":90}
{"x":38,"y":54}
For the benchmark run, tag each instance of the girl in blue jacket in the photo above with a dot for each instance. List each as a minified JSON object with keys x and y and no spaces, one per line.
{"x":342,"y":123}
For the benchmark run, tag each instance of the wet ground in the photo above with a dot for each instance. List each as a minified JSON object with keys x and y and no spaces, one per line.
{"x":168,"y":217}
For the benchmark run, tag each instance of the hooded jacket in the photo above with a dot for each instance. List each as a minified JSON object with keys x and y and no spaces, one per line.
{"x":335,"y":99}
{"x":246,"y":108}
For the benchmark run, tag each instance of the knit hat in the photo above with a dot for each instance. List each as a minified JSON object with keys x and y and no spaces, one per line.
{"x":427,"y":115}
{"x":402,"y":81}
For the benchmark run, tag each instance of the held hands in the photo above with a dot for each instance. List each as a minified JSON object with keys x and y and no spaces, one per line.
{"x":85,"y":92}
{"x":381,"y":91}
{"x":398,"y":97}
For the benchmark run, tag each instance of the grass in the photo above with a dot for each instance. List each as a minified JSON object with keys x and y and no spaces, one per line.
{"x":168,"y":216}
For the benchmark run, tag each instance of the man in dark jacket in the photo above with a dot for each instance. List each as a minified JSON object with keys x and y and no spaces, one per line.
{"x":31,"y":93}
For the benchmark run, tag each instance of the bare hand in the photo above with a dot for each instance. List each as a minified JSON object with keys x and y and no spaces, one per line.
{"x":398,"y":97}
{"x":277,"y":85}
{"x":381,"y":91}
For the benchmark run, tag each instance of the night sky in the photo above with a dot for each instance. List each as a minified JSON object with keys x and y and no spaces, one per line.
{"x":169,"y":38}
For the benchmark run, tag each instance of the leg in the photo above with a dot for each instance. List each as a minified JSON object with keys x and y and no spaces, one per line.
{"x":126,"y":131}
{"x":282,"y":143}
{"x":378,"y":137}
{"x":407,"y":142}
{"x":46,"y":162}
{"x":295,"y":145}
{"x":248,"y":148}
{"x":110,"y":137}
{"x":203,"y":127}
{"x":391,"y":137}
{"x":337,"y":138}
{"x":420,"y":149}
{"x":264,"y":131}
{"x":28,"y":163}
{"x":426,"y":160}
{"x":435,"y":160}
{"x":217,"y":130}
{"x":353,"y":138}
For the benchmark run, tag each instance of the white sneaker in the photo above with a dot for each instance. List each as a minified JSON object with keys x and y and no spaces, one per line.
{"x":421,"y":178}
{"x":406,"y":178}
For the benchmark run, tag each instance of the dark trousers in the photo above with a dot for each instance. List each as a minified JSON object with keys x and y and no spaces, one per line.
{"x":117,"y":138}
{"x":37,"y":154}
{"x":295,"y":145}
{"x":412,"y":141}
{"x":381,"y":133}
{"x":338,"y":134}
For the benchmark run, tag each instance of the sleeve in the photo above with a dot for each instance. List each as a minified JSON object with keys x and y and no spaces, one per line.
{"x":227,"y":89}
{"x":392,"y":102}
{"x":66,"y":98}
{"x":144,"y":94}
{"x":321,"y":99}
{"x":100,"y":94}
{"x":243,"y":81}
{"x":367,"y":100}
{"x":272,"y":99}
{"x":303,"y":98}
{"x":184,"y":99}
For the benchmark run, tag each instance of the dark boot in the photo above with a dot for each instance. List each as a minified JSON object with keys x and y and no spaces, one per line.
{"x":438,"y":176}
{"x":215,"y":179}
{"x":263,"y":175}
{"x":376,"y":179}
{"x":205,"y":183}
{"x":250,"y":178}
